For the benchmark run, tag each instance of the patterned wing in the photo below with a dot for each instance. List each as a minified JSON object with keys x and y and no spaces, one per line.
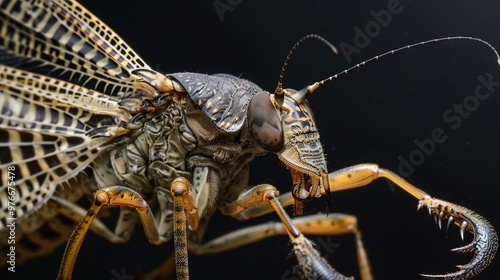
{"x":44,"y":121}
{"x":43,"y":126}
{"x":62,"y":38}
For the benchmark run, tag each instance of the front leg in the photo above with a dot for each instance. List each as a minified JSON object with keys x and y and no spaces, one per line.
{"x":311,"y":264}
{"x":485,"y":242}
{"x":184,"y":209}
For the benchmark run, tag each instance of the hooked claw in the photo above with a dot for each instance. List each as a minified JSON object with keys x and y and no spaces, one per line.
{"x":484,"y":245}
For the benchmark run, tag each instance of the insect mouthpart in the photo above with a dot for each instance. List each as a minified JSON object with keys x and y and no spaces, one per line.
{"x":305,"y":186}
{"x":308,"y":170}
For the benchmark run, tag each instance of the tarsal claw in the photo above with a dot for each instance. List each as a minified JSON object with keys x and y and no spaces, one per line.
{"x":484,"y":244}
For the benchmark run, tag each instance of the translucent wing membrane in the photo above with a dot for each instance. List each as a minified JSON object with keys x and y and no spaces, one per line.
{"x":44,"y":121}
{"x":63,"y":38}
{"x":42,"y":161}
{"x":43,"y":135}
{"x":80,"y":102}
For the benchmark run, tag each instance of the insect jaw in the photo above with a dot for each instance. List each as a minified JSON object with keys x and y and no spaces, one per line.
{"x":308,"y":171}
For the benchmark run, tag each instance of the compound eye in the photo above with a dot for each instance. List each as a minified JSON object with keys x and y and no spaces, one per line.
{"x":264,"y":123}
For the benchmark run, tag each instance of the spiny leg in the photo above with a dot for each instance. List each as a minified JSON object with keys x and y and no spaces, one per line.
{"x":484,"y":245}
{"x":311,"y":264}
{"x":251,"y":205}
{"x":318,"y":224}
{"x":485,"y":242}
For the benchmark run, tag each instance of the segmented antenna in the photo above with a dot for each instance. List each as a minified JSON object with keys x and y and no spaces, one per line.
{"x":278,"y":92}
{"x":320,"y":83}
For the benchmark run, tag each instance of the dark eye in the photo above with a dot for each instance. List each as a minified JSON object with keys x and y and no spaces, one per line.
{"x":264,"y":123}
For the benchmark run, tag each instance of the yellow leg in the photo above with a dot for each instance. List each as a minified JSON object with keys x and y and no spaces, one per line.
{"x":184,"y":205}
{"x":183,"y":202}
{"x":485,"y":243}
{"x":256,"y":202}
{"x":318,"y":224}
{"x":109,"y":196}
{"x":312,"y":265}
{"x":74,"y":212}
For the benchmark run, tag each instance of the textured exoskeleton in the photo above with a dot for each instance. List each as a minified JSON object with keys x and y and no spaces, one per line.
{"x":86,"y":124}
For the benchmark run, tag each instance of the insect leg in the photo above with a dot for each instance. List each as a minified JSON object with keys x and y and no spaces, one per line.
{"x":312,"y":265}
{"x":485,"y":242}
{"x":108,"y":196}
{"x":318,"y":224}
{"x":76,"y":213}
{"x":184,"y":207}
{"x":183,"y":204}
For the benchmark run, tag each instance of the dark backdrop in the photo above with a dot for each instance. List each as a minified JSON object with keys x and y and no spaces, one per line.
{"x":373,"y":114}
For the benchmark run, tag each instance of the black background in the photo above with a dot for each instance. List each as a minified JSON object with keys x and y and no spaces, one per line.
{"x":373,"y":114}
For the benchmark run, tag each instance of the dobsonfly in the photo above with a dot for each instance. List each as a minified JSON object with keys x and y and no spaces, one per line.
{"x":139,"y":100}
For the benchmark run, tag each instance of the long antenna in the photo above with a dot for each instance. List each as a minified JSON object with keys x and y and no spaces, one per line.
{"x":320,"y":83}
{"x":278,"y":92}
